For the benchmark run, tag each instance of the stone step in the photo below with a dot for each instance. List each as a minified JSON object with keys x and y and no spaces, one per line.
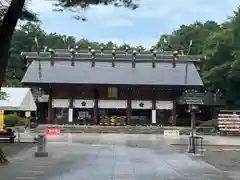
{"x":108,"y":129}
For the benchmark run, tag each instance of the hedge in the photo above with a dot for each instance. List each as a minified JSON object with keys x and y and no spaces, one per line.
{"x":210,"y":123}
{"x":11,"y":120}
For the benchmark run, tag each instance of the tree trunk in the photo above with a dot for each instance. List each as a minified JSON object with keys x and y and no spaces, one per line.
{"x":6,"y":31}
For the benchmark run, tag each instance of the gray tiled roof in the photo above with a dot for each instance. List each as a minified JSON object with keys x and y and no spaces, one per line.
{"x":103,"y":73}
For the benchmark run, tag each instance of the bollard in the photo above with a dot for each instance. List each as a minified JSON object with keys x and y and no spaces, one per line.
{"x":195,"y":145}
{"x":191,"y":145}
{"x":41,"y":147}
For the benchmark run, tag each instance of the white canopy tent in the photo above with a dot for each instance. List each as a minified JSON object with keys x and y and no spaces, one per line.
{"x":17,"y":99}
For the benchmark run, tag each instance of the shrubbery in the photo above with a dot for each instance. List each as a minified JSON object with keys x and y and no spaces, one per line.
{"x":211,"y":123}
{"x":11,"y":120}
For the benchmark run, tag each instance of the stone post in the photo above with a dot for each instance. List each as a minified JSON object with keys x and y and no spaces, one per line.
{"x":41,"y":147}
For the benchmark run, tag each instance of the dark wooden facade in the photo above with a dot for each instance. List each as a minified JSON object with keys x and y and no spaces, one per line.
{"x":98,"y":93}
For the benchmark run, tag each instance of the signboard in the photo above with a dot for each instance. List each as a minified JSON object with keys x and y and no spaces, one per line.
{"x":229,"y":122}
{"x":52,"y":131}
{"x":28,"y":114}
{"x":1,"y":120}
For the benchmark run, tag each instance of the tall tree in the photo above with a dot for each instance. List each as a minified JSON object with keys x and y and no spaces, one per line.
{"x":221,"y":44}
{"x":16,"y":11}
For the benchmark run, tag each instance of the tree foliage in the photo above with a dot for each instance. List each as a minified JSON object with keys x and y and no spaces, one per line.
{"x":13,"y":10}
{"x":26,"y":13}
{"x":220,"y":43}
{"x":23,"y":40}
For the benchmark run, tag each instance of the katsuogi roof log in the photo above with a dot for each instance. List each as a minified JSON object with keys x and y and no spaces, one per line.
{"x":106,"y":55}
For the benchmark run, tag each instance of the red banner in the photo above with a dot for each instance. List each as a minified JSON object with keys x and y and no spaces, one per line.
{"x":52,"y":131}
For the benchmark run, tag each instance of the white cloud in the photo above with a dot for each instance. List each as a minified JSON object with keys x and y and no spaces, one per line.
{"x":142,"y":26}
{"x":145,"y":42}
{"x":41,"y":6}
{"x":120,"y":22}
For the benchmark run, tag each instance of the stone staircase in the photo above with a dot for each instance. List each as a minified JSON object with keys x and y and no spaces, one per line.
{"x":109,"y":129}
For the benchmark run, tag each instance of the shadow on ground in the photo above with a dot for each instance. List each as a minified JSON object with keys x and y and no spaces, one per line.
{"x":11,"y":149}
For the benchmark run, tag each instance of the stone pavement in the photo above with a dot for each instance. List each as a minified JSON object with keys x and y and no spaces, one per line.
{"x":109,"y":157}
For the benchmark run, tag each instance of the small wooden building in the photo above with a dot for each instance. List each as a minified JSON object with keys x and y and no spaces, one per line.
{"x":124,"y":86}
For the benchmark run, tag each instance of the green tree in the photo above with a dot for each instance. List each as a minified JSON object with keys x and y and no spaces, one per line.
{"x":220,"y":43}
{"x":17,"y":10}
{"x":23,"y":40}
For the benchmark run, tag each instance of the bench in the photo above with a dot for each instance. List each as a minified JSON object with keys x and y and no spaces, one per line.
{"x":7,"y":136}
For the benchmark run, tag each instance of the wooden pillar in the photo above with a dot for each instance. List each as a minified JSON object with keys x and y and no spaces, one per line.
{"x":95,"y":109}
{"x":50,"y":111}
{"x":54,"y":119}
{"x":193,"y":120}
{"x":129,"y":106}
{"x":174,"y":113}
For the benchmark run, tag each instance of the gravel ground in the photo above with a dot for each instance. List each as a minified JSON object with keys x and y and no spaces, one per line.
{"x":225,"y":158}
{"x":114,"y":156}
{"x":13,"y":148}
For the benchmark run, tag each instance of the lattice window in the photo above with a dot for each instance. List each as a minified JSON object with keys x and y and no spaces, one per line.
{"x":112,"y":92}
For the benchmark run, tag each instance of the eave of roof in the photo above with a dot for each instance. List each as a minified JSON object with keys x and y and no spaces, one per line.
{"x":184,"y":74}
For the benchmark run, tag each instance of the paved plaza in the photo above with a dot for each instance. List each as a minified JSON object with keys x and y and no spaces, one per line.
{"x":109,"y":157}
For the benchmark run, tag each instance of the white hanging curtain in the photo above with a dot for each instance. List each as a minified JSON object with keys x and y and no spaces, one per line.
{"x":60,"y":103}
{"x":167,"y":105}
{"x":138,"y":104}
{"x":112,"y":104}
{"x":83,"y":103}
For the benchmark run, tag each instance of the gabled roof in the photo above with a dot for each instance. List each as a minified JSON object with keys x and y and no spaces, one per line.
{"x":17,"y":99}
{"x":104,"y":73}
{"x":120,"y":69}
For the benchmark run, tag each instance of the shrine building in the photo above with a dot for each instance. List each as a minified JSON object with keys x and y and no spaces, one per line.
{"x":127,"y":87}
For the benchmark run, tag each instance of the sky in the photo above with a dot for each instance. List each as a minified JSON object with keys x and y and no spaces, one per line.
{"x":140,"y":27}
